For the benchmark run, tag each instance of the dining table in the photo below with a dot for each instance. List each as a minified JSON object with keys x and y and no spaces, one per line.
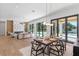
{"x":46,"y":44}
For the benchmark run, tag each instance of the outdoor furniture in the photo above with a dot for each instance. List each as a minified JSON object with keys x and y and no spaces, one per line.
{"x":36,"y":48}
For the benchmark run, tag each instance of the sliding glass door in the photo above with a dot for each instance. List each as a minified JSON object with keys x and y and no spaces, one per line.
{"x":41,"y":29}
{"x":54,"y":28}
{"x":44,"y":29}
{"x":72,"y":29}
{"x":38,"y":29}
{"x":61,"y":28}
{"x":31,"y":28}
{"x":66,"y":28}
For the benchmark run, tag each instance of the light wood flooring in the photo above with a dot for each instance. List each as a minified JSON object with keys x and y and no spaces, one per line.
{"x":13,"y":47}
{"x":10,"y":46}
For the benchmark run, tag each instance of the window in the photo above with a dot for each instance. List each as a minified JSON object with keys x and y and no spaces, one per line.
{"x":41,"y":29}
{"x":31,"y":28}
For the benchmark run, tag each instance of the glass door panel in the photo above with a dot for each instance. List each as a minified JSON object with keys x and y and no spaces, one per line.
{"x":32,"y":28}
{"x":41,"y":29}
{"x":61,"y":28}
{"x":54,"y":28}
{"x":72,"y":29}
{"x":38,"y":29}
{"x":44,"y":30}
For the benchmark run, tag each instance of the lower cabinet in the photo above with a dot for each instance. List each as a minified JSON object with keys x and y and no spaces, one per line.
{"x":76,"y":51}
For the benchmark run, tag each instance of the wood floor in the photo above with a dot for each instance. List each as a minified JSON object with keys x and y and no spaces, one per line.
{"x":14,"y":47}
{"x":10,"y":46}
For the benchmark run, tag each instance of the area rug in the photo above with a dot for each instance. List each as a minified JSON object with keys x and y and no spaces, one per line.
{"x":26,"y":51}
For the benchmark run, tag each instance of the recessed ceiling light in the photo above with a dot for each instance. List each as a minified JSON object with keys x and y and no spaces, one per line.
{"x":33,"y":11}
{"x":16,"y":6}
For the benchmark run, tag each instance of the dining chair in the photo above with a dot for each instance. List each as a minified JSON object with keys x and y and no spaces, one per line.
{"x":57,"y":48}
{"x":64,"y":42}
{"x":36,"y":48}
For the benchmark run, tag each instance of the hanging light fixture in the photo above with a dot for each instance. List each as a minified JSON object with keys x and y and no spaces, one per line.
{"x":24,"y":22}
{"x":45,"y":22}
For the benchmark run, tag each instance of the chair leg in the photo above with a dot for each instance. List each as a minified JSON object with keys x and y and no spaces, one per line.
{"x":31,"y":52}
{"x":43,"y":52}
{"x":63,"y":49}
{"x":62,"y":53}
{"x":58,"y":54}
{"x":36,"y":53}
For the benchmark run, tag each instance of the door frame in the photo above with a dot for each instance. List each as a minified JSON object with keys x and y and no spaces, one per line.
{"x":4,"y":27}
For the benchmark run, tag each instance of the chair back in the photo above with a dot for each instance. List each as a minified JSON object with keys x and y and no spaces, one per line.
{"x":35,"y":45}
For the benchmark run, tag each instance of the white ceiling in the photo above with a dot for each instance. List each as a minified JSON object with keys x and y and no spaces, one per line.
{"x":23,"y":11}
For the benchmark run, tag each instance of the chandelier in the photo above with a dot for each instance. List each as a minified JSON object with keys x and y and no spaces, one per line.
{"x":45,"y":22}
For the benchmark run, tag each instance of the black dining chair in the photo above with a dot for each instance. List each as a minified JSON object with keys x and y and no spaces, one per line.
{"x":63,"y":41}
{"x":57,"y":48}
{"x":36,"y":48}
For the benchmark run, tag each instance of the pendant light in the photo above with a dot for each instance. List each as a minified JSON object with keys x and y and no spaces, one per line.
{"x":45,"y":22}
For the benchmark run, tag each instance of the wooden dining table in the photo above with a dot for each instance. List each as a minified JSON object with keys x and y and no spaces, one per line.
{"x":46,"y":44}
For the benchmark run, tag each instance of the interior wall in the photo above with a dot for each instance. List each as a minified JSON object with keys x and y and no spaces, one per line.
{"x":70,"y":10}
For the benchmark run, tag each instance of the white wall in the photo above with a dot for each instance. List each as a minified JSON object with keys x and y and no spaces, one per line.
{"x":71,"y":10}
